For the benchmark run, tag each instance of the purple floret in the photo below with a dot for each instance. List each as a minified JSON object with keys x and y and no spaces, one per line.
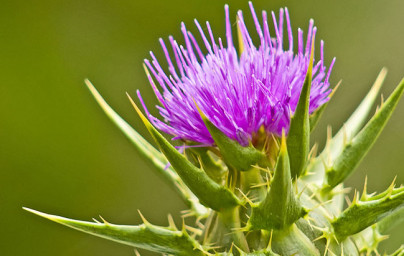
{"x":239,"y":93}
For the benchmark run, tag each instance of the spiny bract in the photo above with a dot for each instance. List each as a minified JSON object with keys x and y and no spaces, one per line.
{"x":246,"y":171}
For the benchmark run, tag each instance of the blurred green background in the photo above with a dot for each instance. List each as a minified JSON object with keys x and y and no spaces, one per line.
{"x":60,"y":154}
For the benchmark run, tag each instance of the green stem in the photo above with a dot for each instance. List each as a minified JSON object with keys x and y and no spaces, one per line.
{"x":231,"y":220}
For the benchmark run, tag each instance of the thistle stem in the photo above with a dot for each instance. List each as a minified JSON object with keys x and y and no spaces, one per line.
{"x":231,"y":220}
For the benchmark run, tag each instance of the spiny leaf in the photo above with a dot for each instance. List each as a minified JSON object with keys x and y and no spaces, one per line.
{"x":299,"y":132}
{"x":239,"y":157}
{"x":347,"y":132}
{"x":368,"y":240}
{"x":158,"y":160}
{"x":394,"y":219}
{"x":209,"y":192}
{"x":354,"y":151}
{"x":145,"y":236}
{"x":280,"y":208}
{"x":362,"y":214}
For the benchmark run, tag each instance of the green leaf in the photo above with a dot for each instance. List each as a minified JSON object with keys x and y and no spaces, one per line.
{"x":354,"y":151}
{"x":280,"y":208}
{"x":145,"y":236}
{"x":299,"y":132}
{"x":394,"y":219}
{"x":347,"y":132}
{"x":367,"y":211}
{"x":239,"y":157}
{"x":158,"y":160}
{"x":209,"y":192}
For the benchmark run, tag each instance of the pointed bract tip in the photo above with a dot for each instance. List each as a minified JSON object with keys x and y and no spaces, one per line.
{"x":199,"y":110}
{"x":334,"y":90}
{"x":139,"y":112}
{"x":283,"y":142}
{"x":51,"y":217}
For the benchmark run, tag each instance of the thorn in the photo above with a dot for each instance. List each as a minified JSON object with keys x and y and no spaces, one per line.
{"x":355,"y":198}
{"x":327,"y":247}
{"x":96,"y":221}
{"x":393,"y":183}
{"x":377,"y":109}
{"x":348,"y":201}
{"x":261,"y":168}
{"x":313,"y":151}
{"x":329,"y":133}
{"x":103,"y":220}
{"x":275,"y":140}
{"x":171,"y":222}
{"x":301,"y":192}
{"x":321,"y":204}
{"x":193,"y":230}
{"x":318,"y":238}
{"x":313,"y":195}
{"x":187,"y":213}
{"x":199,"y":224}
{"x":270,"y":239}
{"x":258,"y":185}
{"x":335,"y":89}
{"x":231,"y":249}
{"x":143,"y":218}
{"x":183,"y":228}
{"x":238,"y":249}
{"x":245,"y":197}
{"x":342,"y":249}
{"x":364,"y":193}
{"x":137,"y":252}
{"x":308,"y":218}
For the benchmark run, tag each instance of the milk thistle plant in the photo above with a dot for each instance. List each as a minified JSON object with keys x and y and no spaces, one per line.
{"x":243,"y":115}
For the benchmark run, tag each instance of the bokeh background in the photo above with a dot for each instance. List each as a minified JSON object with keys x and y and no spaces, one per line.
{"x":60,"y":154}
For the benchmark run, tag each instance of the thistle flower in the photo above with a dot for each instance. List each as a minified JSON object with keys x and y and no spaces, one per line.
{"x":282,"y":201}
{"x":238,"y":92}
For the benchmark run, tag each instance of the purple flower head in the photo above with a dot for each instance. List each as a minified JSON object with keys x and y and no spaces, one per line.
{"x":238,"y":92}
